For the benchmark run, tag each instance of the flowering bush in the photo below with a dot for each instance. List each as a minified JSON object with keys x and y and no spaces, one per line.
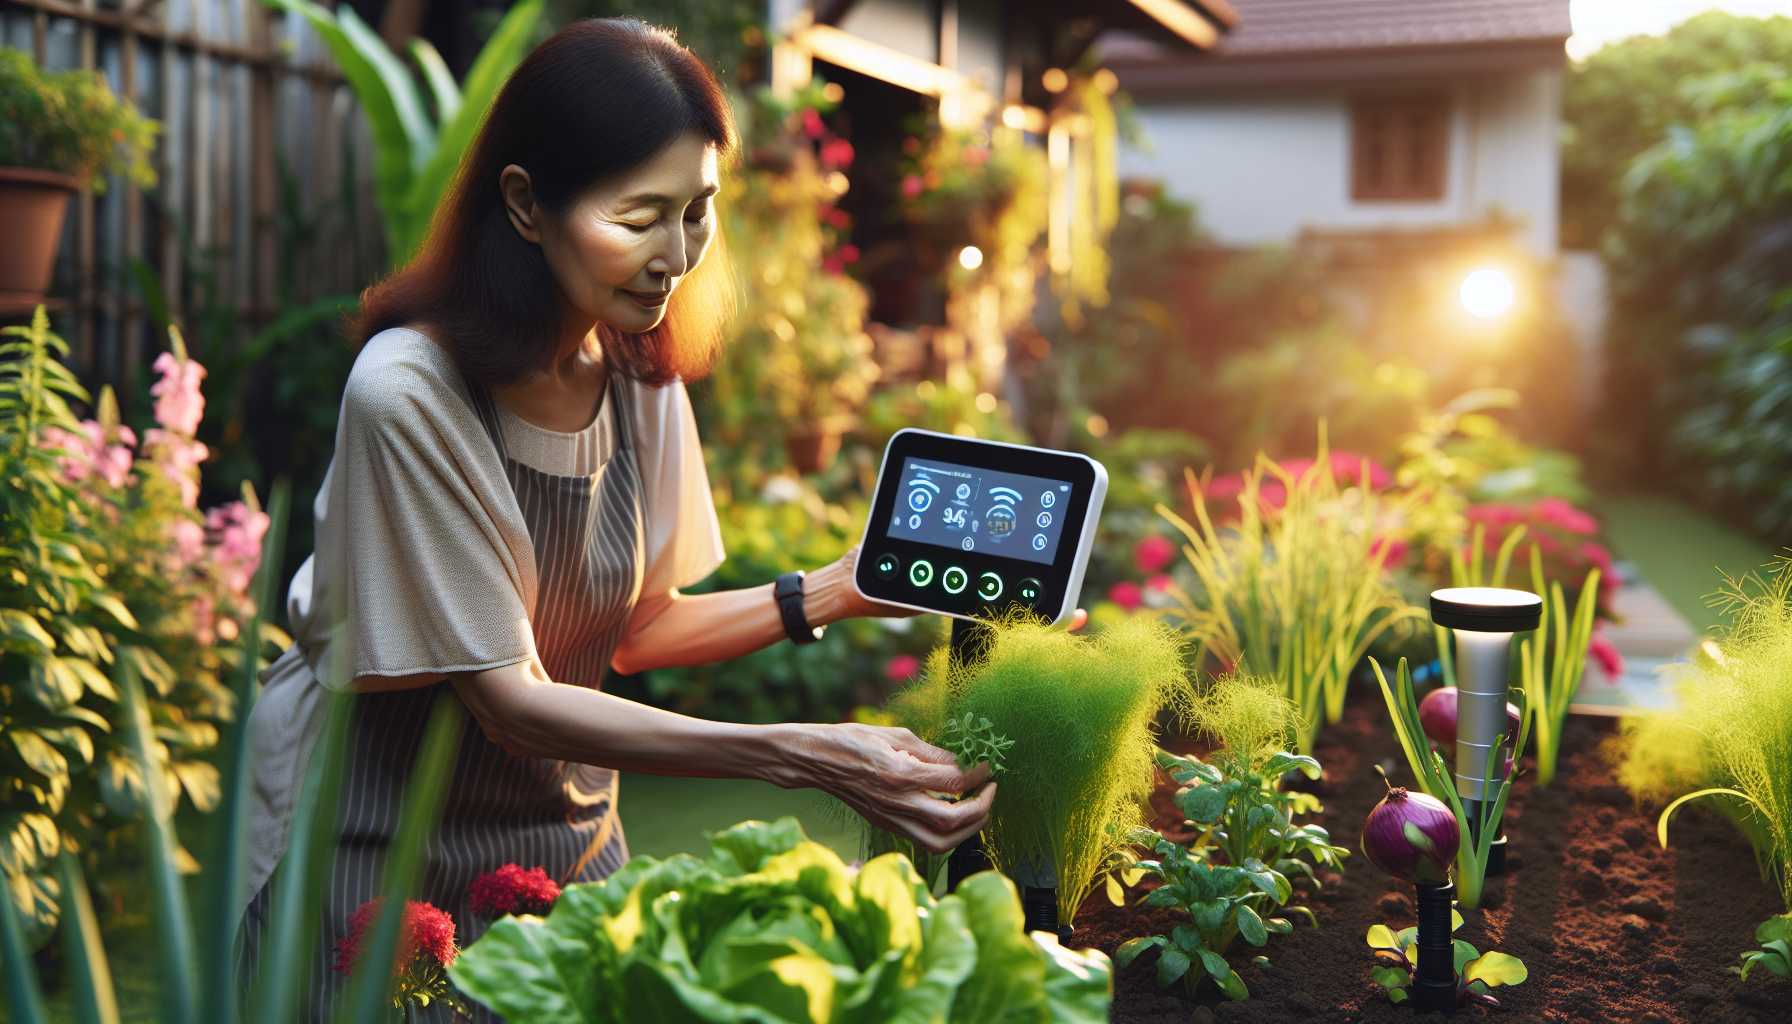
{"x":1566,"y":537}
{"x":511,"y":890}
{"x":426,"y":949}
{"x":105,"y":560}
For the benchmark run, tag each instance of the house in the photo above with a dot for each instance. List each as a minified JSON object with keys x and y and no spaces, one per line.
{"x":998,"y":64}
{"x":1320,"y":117}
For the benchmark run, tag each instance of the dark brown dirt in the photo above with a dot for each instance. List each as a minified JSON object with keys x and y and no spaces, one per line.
{"x":1612,"y":927}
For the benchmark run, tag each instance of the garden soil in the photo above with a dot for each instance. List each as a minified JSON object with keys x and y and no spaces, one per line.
{"x":1612,"y":927}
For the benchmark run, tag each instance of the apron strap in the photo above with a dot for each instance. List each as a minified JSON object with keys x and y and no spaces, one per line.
{"x":602,"y":839}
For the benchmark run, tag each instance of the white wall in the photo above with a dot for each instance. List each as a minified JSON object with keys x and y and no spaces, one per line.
{"x":1263,"y":166}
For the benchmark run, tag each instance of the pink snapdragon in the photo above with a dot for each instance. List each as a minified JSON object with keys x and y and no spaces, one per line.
{"x":91,"y":453}
{"x":238,"y":531}
{"x":1152,"y":553}
{"x":901,"y":668}
{"x":179,"y":457}
{"x":1127,"y":595}
{"x":179,"y":403}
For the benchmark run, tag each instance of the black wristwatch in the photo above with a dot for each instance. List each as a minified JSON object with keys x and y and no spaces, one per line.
{"x":789,"y":592}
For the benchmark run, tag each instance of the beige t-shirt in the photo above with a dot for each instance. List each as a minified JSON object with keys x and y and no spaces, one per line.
{"x":423,"y":562}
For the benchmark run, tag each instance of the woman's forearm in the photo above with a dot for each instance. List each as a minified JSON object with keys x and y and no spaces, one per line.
{"x":696,"y":629}
{"x":531,"y":715}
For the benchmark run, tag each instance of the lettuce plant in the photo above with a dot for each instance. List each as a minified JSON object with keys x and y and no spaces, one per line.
{"x":1232,"y":879}
{"x":774,"y":927}
{"x":1476,"y":972}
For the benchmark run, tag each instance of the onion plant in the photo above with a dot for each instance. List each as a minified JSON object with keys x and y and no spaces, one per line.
{"x":1735,"y":710}
{"x":1078,"y":714}
{"x":1434,"y":778}
{"x":1553,"y":659}
{"x":1293,"y":592}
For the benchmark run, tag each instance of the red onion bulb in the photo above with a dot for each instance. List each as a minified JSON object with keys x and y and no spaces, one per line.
{"x":1412,"y":836}
{"x":1437,"y":716}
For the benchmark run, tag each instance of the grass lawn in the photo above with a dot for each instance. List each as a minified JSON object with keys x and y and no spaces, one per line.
{"x":1679,"y":550}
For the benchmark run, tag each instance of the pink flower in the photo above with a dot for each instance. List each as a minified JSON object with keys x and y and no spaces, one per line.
{"x":179,"y":457}
{"x":76,"y":460}
{"x":427,"y":931}
{"x":179,"y":403}
{"x":511,"y":890}
{"x":849,"y":253}
{"x":1601,"y":650}
{"x":1563,"y":516}
{"x":813,"y":125}
{"x":205,"y":620}
{"x":1348,"y":469}
{"x":1159,"y":584}
{"x":912,"y":186}
{"x":239,"y":532}
{"x":1127,"y":595}
{"x":1152,"y":554}
{"x":836,"y":154}
{"x":189,"y":540}
{"x":901,"y":668}
{"x":836,"y":218}
{"x":1387,"y":552}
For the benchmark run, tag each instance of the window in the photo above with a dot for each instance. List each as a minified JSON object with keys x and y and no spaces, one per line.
{"x":1398,"y":148}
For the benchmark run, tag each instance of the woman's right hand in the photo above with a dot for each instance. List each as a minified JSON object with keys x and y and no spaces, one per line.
{"x":889,"y":775}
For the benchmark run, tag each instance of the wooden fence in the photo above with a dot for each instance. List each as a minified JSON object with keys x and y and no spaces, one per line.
{"x":265,"y":189}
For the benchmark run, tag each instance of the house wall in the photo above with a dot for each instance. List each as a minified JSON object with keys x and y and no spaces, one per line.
{"x":1262,"y":165}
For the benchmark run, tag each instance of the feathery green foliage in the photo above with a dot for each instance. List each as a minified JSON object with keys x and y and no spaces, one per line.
{"x":1296,"y":592}
{"x":1080,"y":713}
{"x":1735,"y":709}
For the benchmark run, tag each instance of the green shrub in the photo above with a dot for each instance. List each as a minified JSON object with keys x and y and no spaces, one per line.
{"x":1080,"y":712}
{"x":1734,"y":712}
{"x":72,"y":123}
{"x":774,"y":927}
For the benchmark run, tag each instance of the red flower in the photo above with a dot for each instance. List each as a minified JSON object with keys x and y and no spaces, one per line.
{"x":511,"y":890}
{"x":812,"y":125}
{"x":912,"y":186}
{"x":849,"y":253}
{"x":1602,"y":651}
{"x":1127,"y":595}
{"x":902,"y":668}
{"x":836,"y":154}
{"x":427,"y":931}
{"x":1159,"y":583}
{"x":1152,"y":553}
{"x":835,"y":217}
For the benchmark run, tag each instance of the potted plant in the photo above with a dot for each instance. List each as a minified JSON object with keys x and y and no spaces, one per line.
{"x":58,"y":133}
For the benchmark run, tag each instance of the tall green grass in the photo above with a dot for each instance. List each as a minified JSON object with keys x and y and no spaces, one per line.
{"x":1081,"y":712}
{"x":1295,"y":593}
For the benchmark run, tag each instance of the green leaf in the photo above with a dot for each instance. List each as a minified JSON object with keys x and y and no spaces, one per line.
{"x":1661,"y":823}
{"x":115,"y":608}
{"x":1079,"y":984}
{"x":1494,"y":969}
{"x":38,"y":754}
{"x":1777,"y":927}
{"x":1250,"y":926}
{"x":1391,"y":977}
{"x":1215,"y":965}
{"x":1455,"y":919}
{"x":1008,"y":963}
{"x":1172,"y":964}
{"x":1272,"y":882}
{"x":1131,"y":948}
{"x":1397,"y":995}
{"x":1461,"y":953}
{"x":1209,"y":915}
{"x":90,"y":983}
{"x":1116,"y":895}
{"x":28,"y":841}
{"x":1279,"y":926}
{"x":201,"y":782}
{"x":1233,"y":986}
{"x":1203,"y":804}
{"x":24,"y":998}
{"x":54,"y":684}
{"x":1381,"y":937}
{"x":23,"y":633}
{"x":442,"y":87}
{"x":1282,"y":763}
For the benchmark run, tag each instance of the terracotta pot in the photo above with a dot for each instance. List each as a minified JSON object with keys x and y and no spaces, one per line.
{"x":32,"y":204}
{"x":812,"y":447}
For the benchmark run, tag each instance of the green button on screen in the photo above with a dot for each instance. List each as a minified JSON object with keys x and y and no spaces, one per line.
{"x":989,"y":586}
{"x":955,"y":580}
{"x":887,"y":566}
{"x":1028,"y":590}
{"x":920,"y":573}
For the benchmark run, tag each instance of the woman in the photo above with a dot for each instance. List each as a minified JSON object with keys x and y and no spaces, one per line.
{"x":517,"y":496}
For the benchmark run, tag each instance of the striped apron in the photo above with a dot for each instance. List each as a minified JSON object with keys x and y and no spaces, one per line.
{"x":500,"y":808}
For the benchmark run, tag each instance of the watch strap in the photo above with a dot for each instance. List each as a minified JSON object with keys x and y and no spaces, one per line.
{"x":788,"y":591}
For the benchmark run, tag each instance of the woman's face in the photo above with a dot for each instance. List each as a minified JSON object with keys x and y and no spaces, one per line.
{"x":624,"y":244}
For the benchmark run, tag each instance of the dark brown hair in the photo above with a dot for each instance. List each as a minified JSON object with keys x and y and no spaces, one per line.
{"x":598,"y":98}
